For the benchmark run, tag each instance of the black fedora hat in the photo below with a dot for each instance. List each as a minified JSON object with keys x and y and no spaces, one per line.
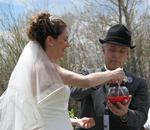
{"x":120,"y":35}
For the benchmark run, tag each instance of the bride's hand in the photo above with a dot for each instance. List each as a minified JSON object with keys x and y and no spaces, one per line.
{"x":86,"y":122}
{"x":117,"y":75}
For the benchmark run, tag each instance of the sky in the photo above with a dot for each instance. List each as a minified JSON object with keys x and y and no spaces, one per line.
{"x":19,"y":8}
{"x":55,"y":6}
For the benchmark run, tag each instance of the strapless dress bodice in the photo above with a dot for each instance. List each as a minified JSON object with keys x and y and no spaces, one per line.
{"x":54,"y":110}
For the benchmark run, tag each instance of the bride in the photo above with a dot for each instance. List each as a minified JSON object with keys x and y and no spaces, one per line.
{"x":37,"y":94}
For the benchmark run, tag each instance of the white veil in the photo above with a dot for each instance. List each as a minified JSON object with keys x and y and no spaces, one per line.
{"x":33,"y":78}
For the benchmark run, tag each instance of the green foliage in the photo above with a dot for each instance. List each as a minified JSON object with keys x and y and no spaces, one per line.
{"x":71,"y":113}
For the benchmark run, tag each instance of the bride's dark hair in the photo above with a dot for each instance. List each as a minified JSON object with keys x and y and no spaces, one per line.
{"x":44,"y":24}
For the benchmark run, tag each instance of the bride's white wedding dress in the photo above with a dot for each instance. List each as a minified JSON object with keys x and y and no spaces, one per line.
{"x":54,"y":110}
{"x":36,"y":98}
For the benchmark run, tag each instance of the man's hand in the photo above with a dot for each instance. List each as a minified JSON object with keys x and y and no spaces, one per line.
{"x":119,"y":109}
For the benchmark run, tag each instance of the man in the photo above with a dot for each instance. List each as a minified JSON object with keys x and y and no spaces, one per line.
{"x":129,"y":115}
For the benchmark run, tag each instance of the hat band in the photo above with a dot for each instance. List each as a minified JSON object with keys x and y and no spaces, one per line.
{"x":119,"y":40}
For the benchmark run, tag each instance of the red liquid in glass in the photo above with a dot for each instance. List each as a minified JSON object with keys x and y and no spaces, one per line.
{"x":118,"y":99}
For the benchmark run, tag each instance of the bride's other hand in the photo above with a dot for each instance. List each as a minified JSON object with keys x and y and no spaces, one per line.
{"x":86,"y":122}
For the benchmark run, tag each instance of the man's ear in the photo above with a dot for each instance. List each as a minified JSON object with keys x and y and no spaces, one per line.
{"x":103,"y":49}
{"x":129,"y":51}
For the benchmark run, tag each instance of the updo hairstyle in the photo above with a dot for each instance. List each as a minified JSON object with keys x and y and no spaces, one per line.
{"x":44,"y":24}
